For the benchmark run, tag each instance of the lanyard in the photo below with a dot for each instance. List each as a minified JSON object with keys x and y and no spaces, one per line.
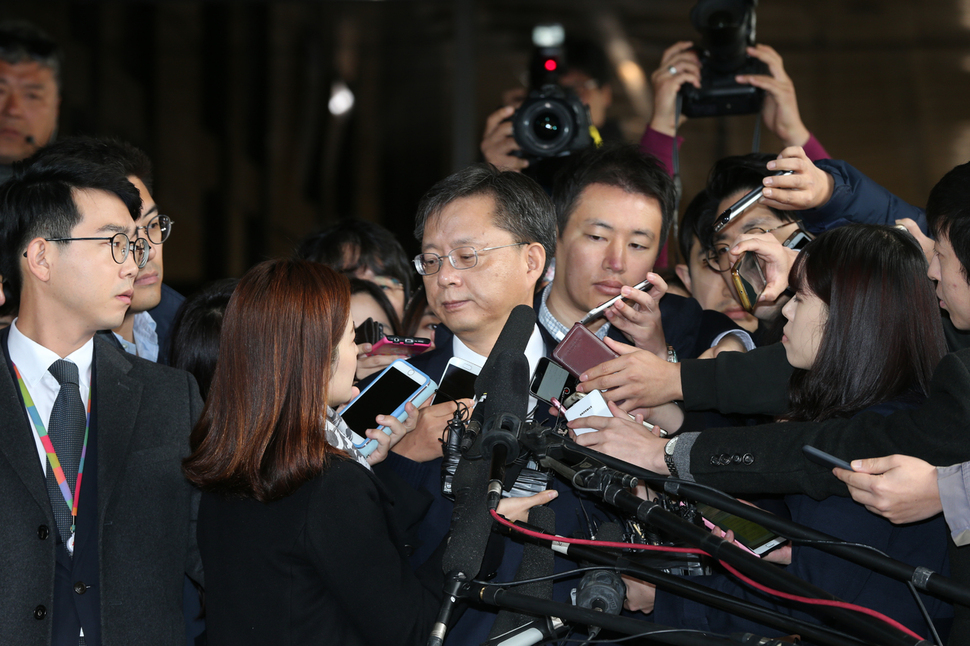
{"x":52,"y":454}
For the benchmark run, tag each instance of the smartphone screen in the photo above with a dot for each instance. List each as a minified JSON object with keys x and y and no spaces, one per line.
{"x":383,"y":397}
{"x":752,"y":535}
{"x":456,"y":383}
{"x":552,"y":380}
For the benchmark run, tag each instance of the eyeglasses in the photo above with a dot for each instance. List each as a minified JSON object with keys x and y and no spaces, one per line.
{"x":429,"y":264}
{"x":120,"y":246}
{"x":718,"y":258}
{"x":158,"y":230}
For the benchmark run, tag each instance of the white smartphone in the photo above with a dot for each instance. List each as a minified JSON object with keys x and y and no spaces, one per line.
{"x":398,"y":384}
{"x":457,"y":381}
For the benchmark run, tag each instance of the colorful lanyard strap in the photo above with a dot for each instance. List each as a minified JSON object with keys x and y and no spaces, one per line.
{"x":52,"y":454}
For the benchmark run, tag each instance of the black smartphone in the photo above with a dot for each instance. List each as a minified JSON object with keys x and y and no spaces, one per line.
{"x":552,"y":381}
{"x":457,"y":381}
{"x":819,"y":456}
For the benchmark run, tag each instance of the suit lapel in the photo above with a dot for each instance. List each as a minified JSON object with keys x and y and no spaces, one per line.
{"x":17,"y":445}
{"x":117,"y":399}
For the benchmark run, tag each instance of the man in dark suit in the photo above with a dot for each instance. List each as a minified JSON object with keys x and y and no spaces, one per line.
{"x":108,"y":569}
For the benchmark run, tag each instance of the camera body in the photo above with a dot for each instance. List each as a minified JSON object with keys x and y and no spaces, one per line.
{"x":552,"y":122}
{"x":727,"y":28}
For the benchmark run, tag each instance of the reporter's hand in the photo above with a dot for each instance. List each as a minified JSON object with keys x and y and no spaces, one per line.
{"x":775,"y":259}
{"x":901,"y":488}
{"x":398,"y":430}
{"x":367,"y":366}
{"x":640,"y":322}
{"x":622,"y":438}
{"x":498,"y":144}
{"x":638,"y":378}
{"x":517,"y":509}
{"x":424,"y":443}
{"x":780,"y":111}
{"x":687,"y":69}
{"x":808,"y":187}
{"x":926,"y":244}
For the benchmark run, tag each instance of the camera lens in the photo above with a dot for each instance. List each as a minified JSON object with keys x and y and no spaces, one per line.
{"x":546,"y":126}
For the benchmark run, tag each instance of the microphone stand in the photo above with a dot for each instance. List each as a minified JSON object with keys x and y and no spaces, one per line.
{"x":549,"y":446}
{"x":558,"y":447}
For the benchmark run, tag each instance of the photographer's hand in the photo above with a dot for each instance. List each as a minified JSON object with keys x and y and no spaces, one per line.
{"x":808,"y":187}
{"x":498,"y":144}
{"x":780,"y":110}
{"x":678,"y":65}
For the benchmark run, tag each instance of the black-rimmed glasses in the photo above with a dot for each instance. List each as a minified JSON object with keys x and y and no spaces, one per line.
{"x":120,"y":246}
{"x":718,"y":258}
{"x":158,"y":230}
{"x":429,"y":264}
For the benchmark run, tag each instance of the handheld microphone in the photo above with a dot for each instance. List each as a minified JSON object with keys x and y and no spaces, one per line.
{"x":504,"y":412}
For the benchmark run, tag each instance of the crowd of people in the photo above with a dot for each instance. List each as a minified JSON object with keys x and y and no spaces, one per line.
{"x":225,"y":499}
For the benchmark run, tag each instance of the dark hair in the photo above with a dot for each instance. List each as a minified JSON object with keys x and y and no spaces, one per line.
{"x":948,"y":213}
{"x":732,"y":175}
{"x":624,"y":167}
{"x":353,"y":244}
{"x":262,"y":433}
{"x":698,"y":217}
{"x":23,"y":42}
{"x":108,"y":151}
{"x":38,"y":202}
{"x":587,"y":56}
{"x":359,"y":286}
{"x":521,"y":206}
{"x":414,"y":311}
{"x":195,"y":332}
{"x":883,"y":337}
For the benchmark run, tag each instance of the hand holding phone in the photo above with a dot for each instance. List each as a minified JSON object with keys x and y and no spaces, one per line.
{"x":581,"y":350}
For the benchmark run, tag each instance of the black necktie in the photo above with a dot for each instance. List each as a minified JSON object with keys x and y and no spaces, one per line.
{"x":66,"y":430}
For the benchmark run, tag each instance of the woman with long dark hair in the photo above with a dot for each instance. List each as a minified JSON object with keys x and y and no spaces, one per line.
{"x":297,"y":535}
{"x":863,"y":333}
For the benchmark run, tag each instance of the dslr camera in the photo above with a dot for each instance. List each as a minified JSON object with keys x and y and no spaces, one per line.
{"x":727,"y":28}
{"x":552,"y":121}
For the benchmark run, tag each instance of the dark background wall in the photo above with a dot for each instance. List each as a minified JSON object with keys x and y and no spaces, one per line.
{"x":230,"y":99}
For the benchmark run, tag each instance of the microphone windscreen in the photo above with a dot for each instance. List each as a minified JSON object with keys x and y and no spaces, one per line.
{"x":508,"y":386}
{"x":471,"y":523}
{"x":514,"y":337}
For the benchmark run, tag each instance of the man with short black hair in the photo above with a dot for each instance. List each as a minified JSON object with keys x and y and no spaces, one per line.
{"x":102,"y":562}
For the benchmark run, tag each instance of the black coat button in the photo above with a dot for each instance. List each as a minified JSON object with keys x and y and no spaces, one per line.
{"x":747,"y":458}
{"x":40,"y":612}
{"x":43,"y":532}
{"x":80,"y":588}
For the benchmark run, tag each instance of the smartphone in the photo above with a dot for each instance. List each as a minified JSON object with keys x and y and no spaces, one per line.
{"x":597,"y":312}
{"x":799,"y":239}
{"x":742,"y":205}
{"x":457,"y":381}
{"x":581,"y":350}
{"x":398,"y":384}
{"x":749,"y":279}
{"x":551,"y":380}
{"x":400,"y":345}
{"x":749,"y":535}
{"x":819,"y":456}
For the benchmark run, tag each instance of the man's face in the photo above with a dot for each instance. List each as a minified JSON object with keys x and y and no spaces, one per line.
{"x":611,"y":240}
{"x":597,"y":97}
{"x":475,"y":303}
{"x":148,"y":283}
{"x":29,"y":102}
{"x":758,"y":216}
{"x":707,"y":287}
{"x":951,"y":283}
{"x":85,"y":283}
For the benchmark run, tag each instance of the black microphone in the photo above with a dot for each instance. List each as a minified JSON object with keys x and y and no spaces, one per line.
{"x":602,"y":590}
{"x":537,"y":561}
{"x":505,"y":410}
{"x":514,"y":338}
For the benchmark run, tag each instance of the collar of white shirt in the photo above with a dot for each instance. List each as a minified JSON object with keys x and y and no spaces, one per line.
{"x":33,"y":360}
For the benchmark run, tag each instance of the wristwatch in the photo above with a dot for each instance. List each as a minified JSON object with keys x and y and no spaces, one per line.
{"x":669,"y":456}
